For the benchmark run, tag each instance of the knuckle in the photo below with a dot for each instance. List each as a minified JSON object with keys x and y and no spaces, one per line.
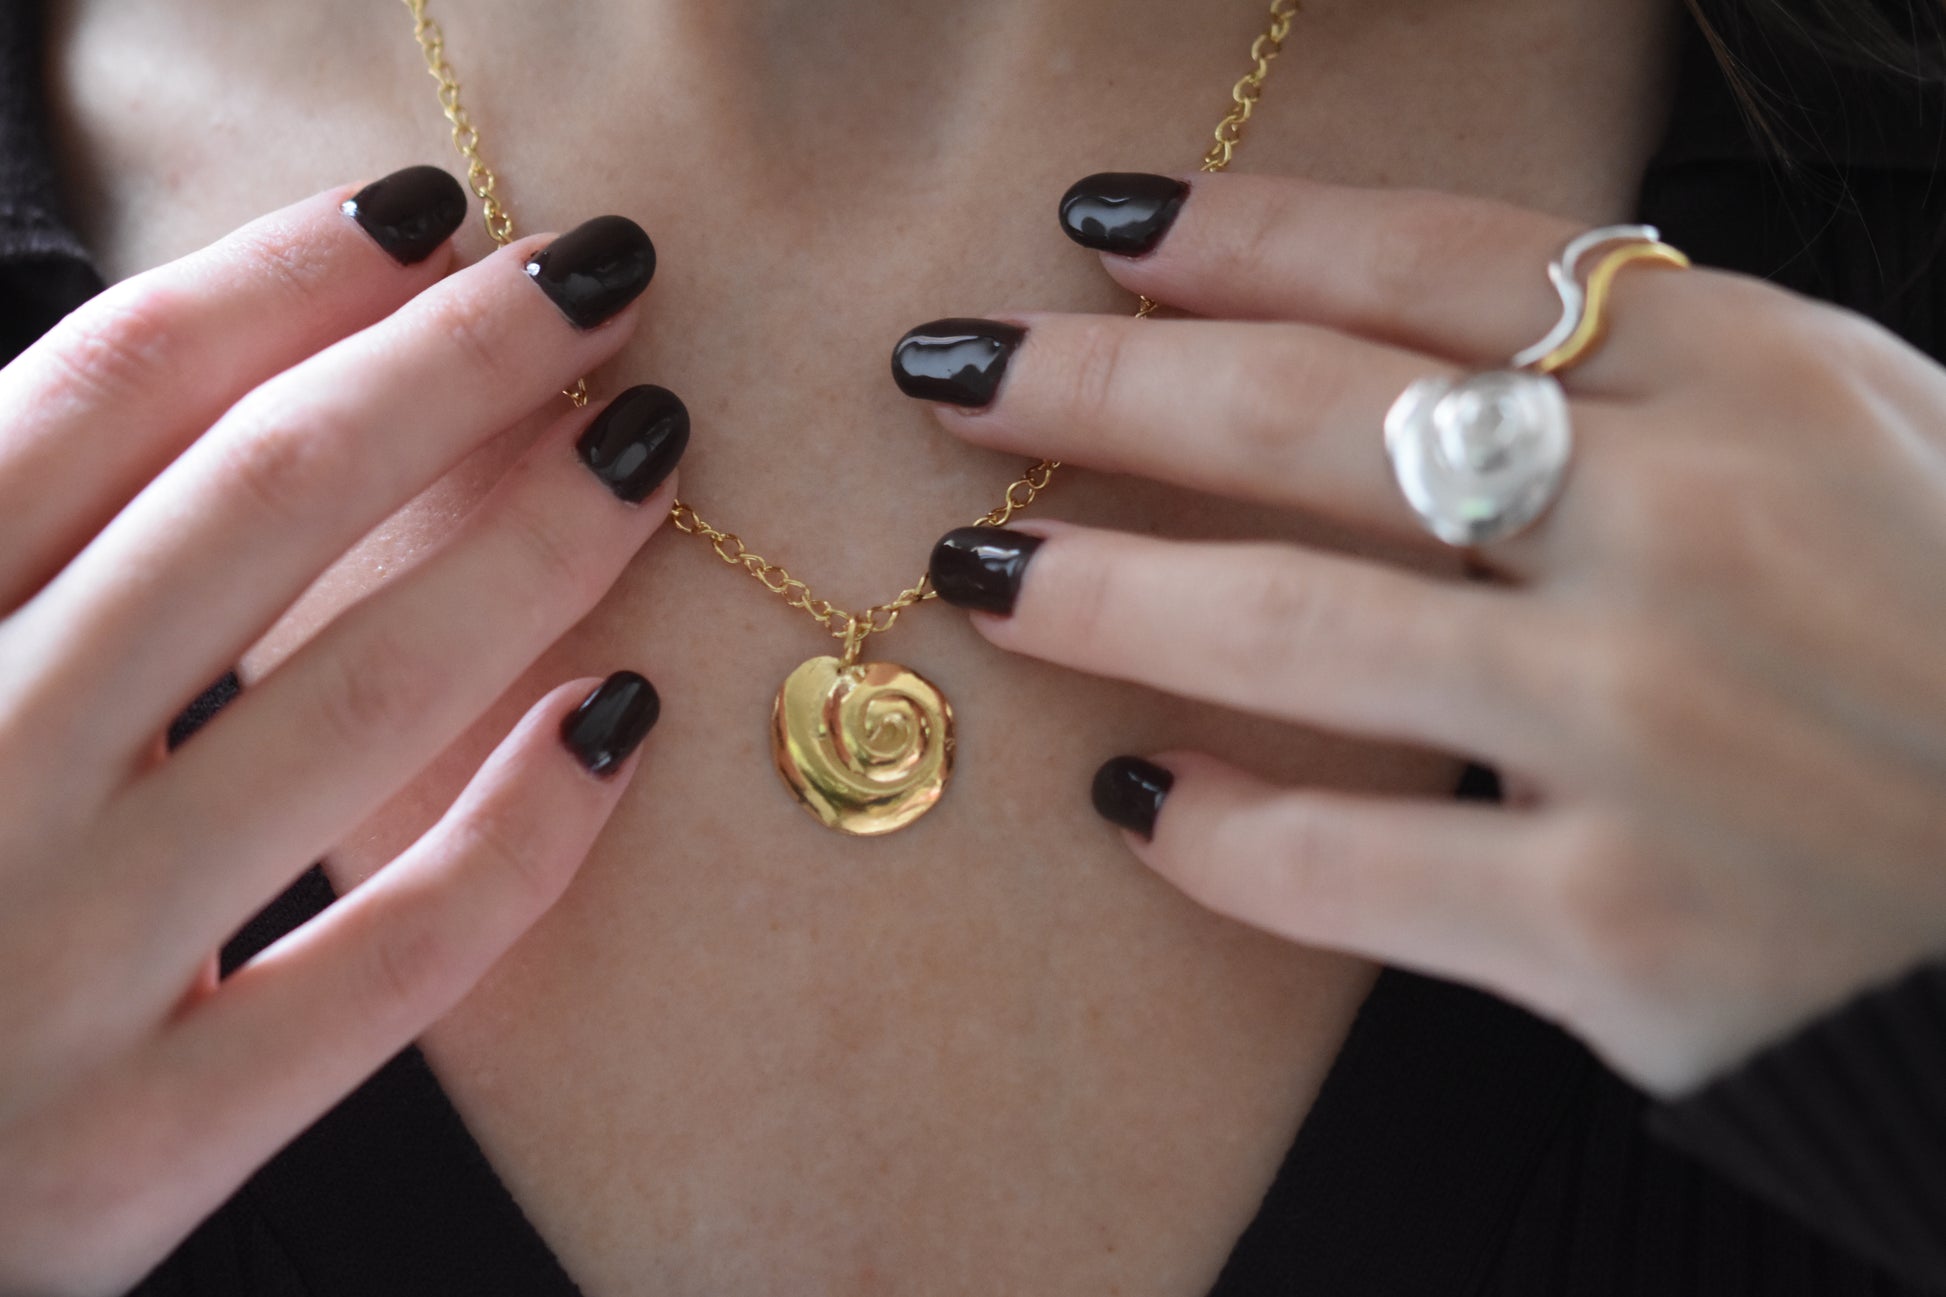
{"x":294,"y":266}
{"x":119,"y":344}
{"x":1656,"y":499}
{"x":1284,"y":613}
{"x":1401,"y":248}
{"x":1263,"y":228}
{"x":474,"y":334}
{"x":410,"y":961}
{"x":1671,"y":491}
{"x":1822,"y":365}
{"x":383,"y":688}
{"x":1095,"y":374}
{"x":1649,"y":497}
{"x":1081,"y":611}
{"x":557,"y":568}
{"x":1616,"y":912}
{"x":1267,"y":403}
{"x":1872,"y":355}
{"x":1316,"y":860}
{"x":285,"y":459}
{"x":1293,"y":617}
{"x":1419,"y":243}
{"x":1612,"y":675}
{"x":1638,"y":690}
{"x":1705,"y":518}
{"x":1771,"y":318}
{"x":1839,"y":369}
{"x":494,"y":845}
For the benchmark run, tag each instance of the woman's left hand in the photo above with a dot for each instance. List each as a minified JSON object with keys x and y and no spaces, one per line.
{"x":1713,"y":671}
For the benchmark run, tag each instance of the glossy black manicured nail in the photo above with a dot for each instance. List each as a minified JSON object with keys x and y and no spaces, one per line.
{"x":1129,"y":791}
{"x":611,"y":722}
{"x":632,"y":445}
{"x":409,"y":213}
{"x":595,"y":269}
{"x":960,"y":362}
{"x":1125,"y":212}
{"x":981,"y":567}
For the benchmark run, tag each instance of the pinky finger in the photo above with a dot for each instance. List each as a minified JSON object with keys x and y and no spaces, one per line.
{"x":306,"y":1021}
{"x":1446,"y":888}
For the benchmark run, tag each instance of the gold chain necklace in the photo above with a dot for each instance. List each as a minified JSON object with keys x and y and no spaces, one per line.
{"x":865,"y":747}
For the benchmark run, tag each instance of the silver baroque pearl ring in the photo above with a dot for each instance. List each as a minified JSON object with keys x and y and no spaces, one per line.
{"x":1480,"y":457}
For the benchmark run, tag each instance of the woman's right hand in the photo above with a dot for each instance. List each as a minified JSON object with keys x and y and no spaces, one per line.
{"x":179,"y":459}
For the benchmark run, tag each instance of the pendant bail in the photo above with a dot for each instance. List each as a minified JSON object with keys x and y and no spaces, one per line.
{"x":855,"y":634}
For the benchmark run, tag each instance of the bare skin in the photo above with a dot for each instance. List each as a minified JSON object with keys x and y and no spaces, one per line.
{"x":743,"y":1054}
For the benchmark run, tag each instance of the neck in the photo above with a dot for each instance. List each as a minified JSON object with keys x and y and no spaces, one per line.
{"x":845,"y":91}
{"x":801,"y":83}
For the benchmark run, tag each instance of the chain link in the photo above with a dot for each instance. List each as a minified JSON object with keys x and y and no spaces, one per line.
{"x":432,"y":43}
{"x":1250,"y":87}
{"x":851,"y":627}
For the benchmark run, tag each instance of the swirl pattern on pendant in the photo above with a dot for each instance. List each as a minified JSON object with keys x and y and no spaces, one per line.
{"x":865,"y":748}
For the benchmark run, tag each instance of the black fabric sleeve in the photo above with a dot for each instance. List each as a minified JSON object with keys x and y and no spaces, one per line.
{"x":44,"y":271}
{"x":1842,"y":1124}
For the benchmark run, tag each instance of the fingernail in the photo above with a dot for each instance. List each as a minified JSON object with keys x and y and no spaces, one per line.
{"x":1126,"y":212}
{"x":611,"y":722}
{"x":981,"y":567}
{"x":1129,"y":792}
{"x":595,"y":269}
{"x":632,"y":445}
{"x":409,"y":213}
{"x":960,"y":362}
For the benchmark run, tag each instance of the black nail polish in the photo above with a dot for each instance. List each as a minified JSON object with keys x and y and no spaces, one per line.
{"x":595,"y":269}
{"x":611,"y":722}
{"x":981,"y":567}
{"x":632,"y":445}
{"x":409,"y":213}
{"x":1126,"y":212}
{"x":1129,"y":792}
{"x":960,"y":362}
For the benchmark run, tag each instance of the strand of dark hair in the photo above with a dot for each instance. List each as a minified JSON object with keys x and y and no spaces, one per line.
{"x":1903,"y":38}
{"x":1900,"y":39}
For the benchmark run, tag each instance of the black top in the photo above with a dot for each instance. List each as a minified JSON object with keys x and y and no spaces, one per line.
{"x":1459,"y":1145}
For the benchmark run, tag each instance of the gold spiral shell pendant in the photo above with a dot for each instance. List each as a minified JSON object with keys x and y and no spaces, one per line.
{"x":864,"y":747}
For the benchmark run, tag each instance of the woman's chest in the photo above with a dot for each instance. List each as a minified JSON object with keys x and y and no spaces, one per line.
{"x":989,"y":1053}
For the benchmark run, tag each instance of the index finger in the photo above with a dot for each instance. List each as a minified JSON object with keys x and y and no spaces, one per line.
{"x":291,"y":476}
{"x":1447,"y":275}
{"x":116,"y":390}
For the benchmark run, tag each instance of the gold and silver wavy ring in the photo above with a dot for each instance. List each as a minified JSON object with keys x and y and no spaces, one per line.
{"x":1481,"y":456}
